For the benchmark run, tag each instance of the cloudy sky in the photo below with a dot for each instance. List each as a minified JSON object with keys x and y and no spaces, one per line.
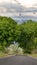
{"x":27,"y":3}
{"x":13,"y":8}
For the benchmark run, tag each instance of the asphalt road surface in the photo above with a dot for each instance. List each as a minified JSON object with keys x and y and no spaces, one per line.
{"x":18,"y":60}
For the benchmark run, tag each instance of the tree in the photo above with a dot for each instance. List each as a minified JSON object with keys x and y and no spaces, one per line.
{"x":27,"y":36}
{"x":7,"y":31}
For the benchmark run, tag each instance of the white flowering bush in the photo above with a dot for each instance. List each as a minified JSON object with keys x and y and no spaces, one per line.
{"x":14,"y":49}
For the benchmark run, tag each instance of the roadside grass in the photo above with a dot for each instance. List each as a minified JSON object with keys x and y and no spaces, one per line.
{"x":2,"y":54}
{"x":14,"y":49}
{"x":34,"y":55}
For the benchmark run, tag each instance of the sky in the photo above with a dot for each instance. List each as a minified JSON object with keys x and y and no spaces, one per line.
{"x":27,"y":3}
{"x":13,"y":8}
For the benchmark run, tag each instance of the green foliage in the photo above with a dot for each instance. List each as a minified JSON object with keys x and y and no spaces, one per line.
{"x":7,"y":29}
{"x":25,"y":34}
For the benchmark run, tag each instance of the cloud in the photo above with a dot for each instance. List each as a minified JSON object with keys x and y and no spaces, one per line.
{"x":15,"y":9}
{"x":27,"y":3}
{"x":5,"y":1}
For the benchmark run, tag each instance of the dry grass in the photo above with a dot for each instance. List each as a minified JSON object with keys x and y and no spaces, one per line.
{"x":34,"y":55}
{"x":3,"y":54}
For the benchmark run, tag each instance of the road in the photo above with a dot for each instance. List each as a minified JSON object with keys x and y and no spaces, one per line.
{"x":18,"y":60}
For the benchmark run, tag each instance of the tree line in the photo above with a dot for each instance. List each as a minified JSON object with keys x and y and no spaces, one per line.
{"x":25,"y":34}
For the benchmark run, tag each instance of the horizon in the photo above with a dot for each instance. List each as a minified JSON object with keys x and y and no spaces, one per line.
{"x":19,"y":9}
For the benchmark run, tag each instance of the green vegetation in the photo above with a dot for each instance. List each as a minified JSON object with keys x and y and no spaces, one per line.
{"x":25,"y":34}
{"x":28,"y":36}
{"x":7,"y":29}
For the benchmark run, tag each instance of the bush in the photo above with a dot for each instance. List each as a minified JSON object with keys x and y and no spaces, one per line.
{"x":14,"y":49}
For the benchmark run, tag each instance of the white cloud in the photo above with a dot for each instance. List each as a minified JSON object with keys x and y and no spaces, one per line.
{"x":8,"y":9}
{"x":7,"y":1}
{"x":27,"y":3}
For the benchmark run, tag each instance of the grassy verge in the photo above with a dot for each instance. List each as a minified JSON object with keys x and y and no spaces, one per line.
{"x":15,"y":50}
{"x":3,"y":54}
{"x":34,"y":55}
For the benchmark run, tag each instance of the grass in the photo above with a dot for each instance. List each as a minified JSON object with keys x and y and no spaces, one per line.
{"x":34,"y":55}
{"x":12,"y":50}
{"x":15,"y":50}
{"x":3,"y":54}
